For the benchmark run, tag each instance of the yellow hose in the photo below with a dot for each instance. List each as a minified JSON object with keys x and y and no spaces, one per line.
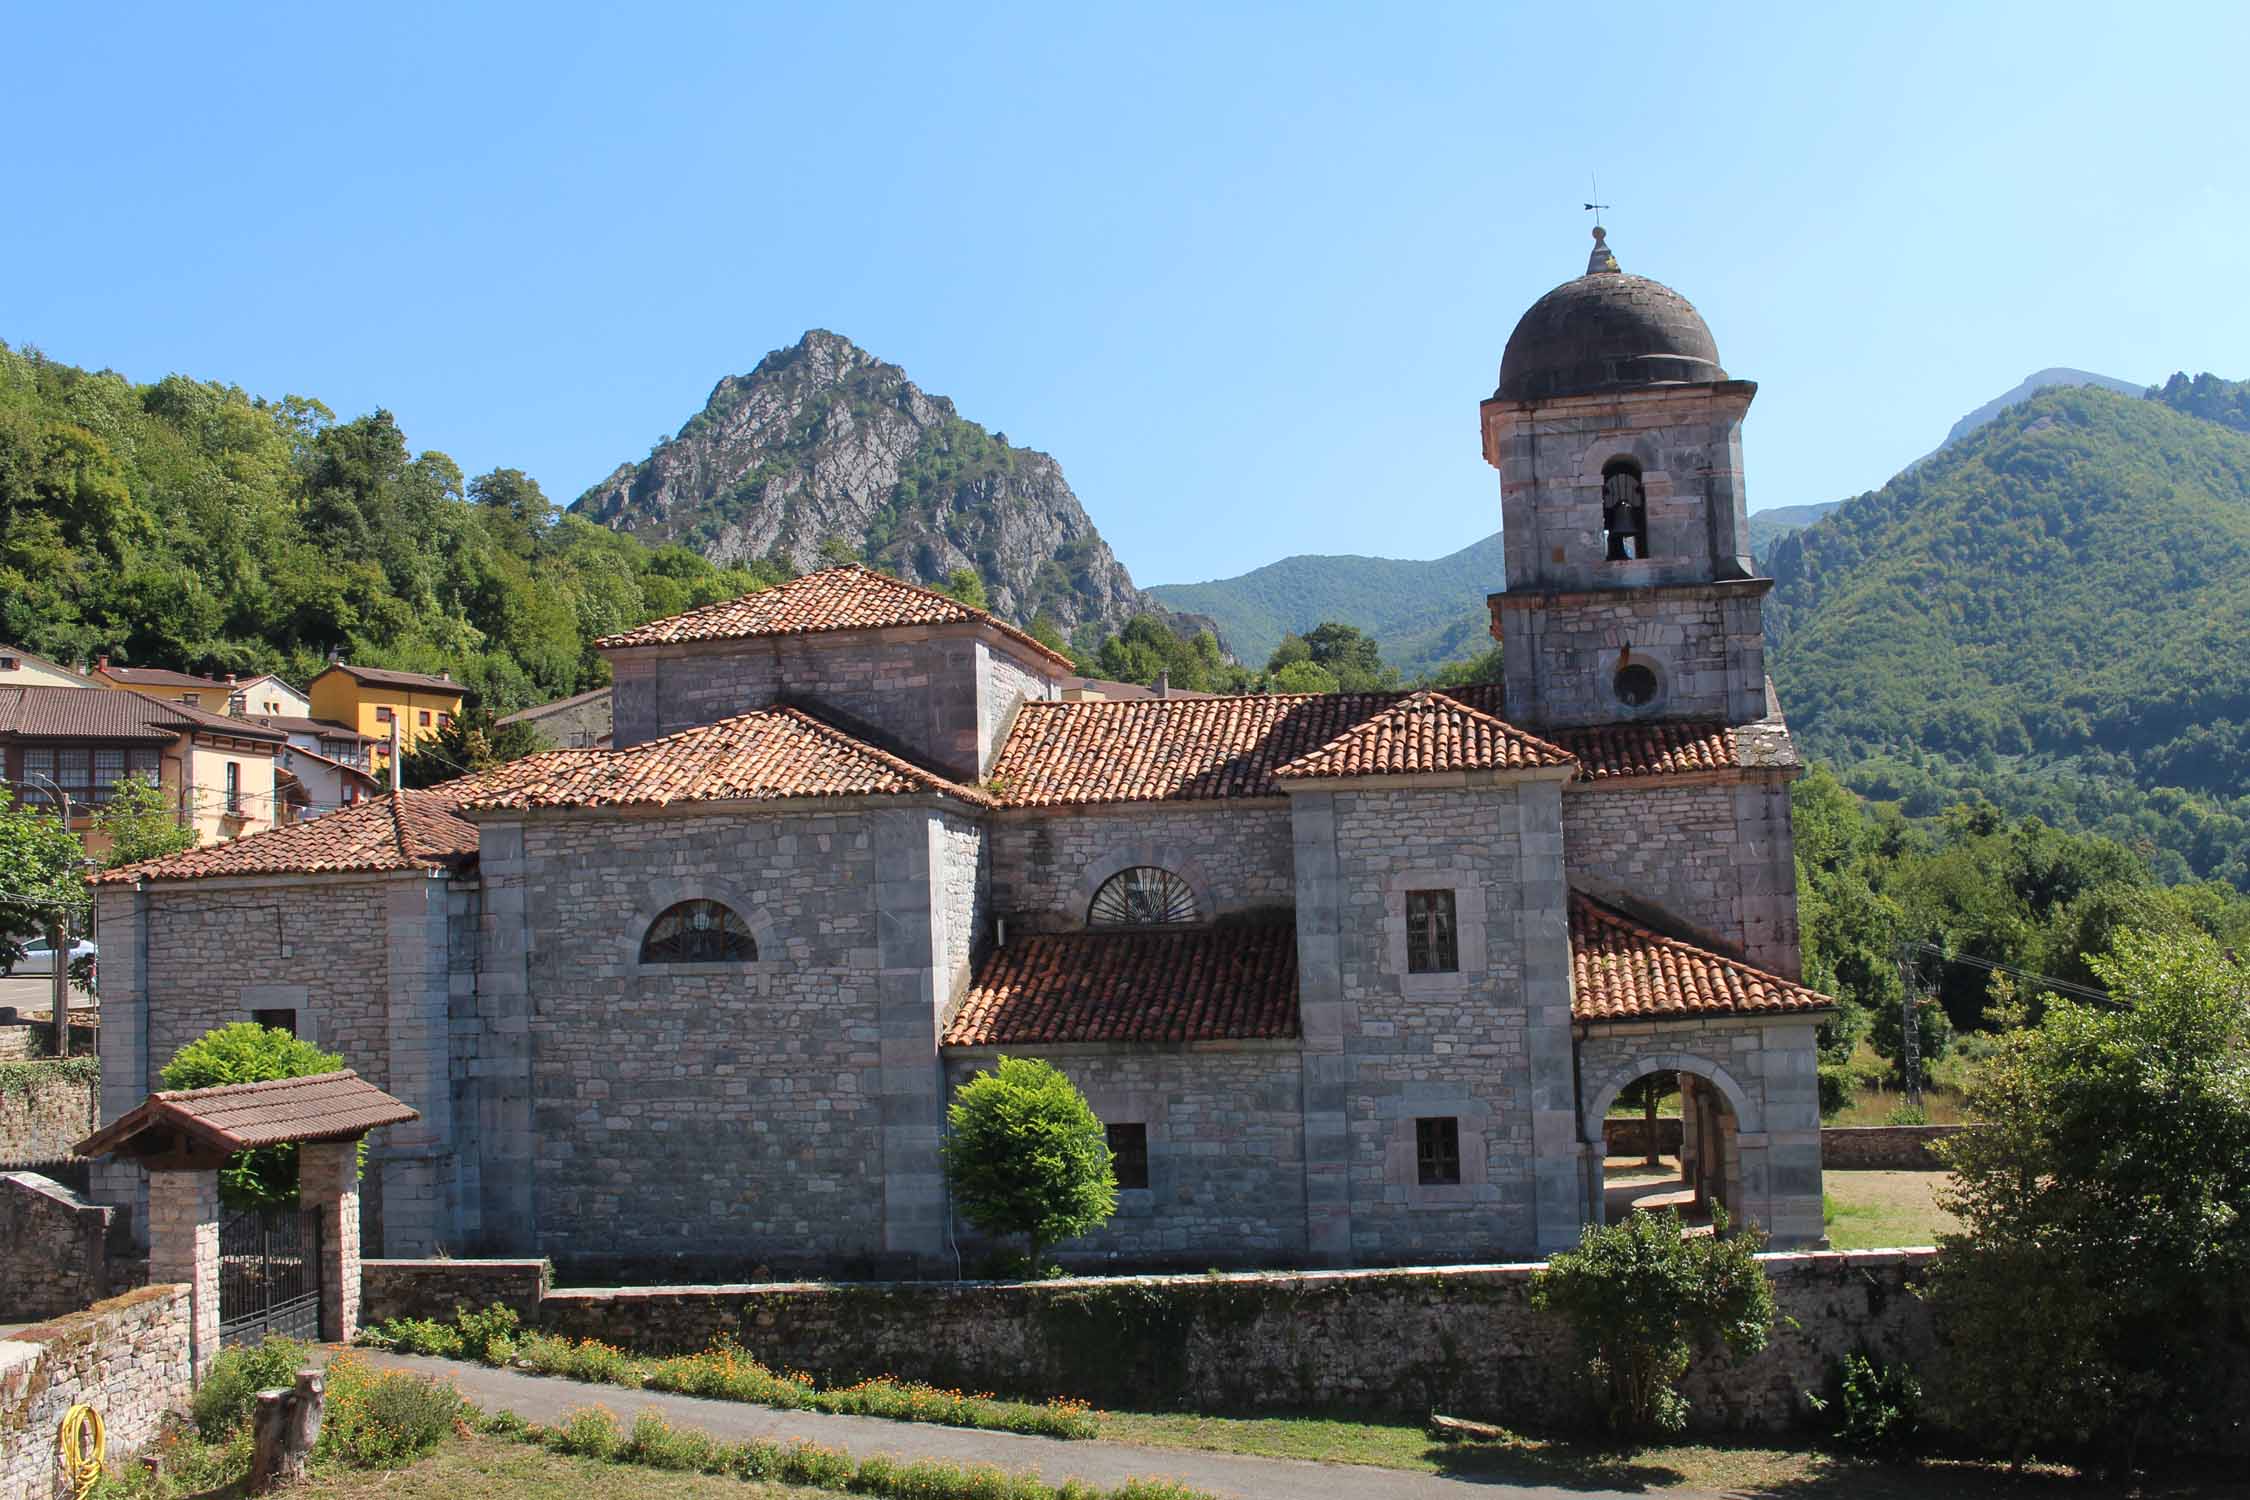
{"x":83,"y":1445}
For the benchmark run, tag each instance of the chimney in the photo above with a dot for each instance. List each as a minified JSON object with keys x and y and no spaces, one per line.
{"x":1164,"y":683}
{"x":230,"y":679}
{"x":446,"y":675}
{"x":335,"y":655}
{"x":101,"y":663}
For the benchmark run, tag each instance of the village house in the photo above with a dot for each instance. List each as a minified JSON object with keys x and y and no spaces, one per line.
{"x":373,"y":701}
{"x":1351,"y":978}
{"x":217,"y":773}
{"x":19,"y":668}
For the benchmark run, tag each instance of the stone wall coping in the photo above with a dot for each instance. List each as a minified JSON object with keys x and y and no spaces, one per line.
{"x":1921,"y":1132}
{"x":47,"y":1187}
{"x":454,"y":1263}
{"x":1776,"y":1262}
{"x":80,"y":1322}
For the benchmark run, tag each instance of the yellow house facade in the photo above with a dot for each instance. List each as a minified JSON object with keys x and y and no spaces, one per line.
{"x":373,"y":699}
{"x":19,"y":668}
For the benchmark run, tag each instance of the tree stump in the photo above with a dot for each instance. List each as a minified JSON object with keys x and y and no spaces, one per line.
{"x":285,"y":1428}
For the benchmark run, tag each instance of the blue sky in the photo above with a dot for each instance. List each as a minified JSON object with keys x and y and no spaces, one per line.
{"x":1246,"y":271}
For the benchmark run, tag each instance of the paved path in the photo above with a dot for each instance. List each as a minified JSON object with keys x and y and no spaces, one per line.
{"x":540,"y":1398}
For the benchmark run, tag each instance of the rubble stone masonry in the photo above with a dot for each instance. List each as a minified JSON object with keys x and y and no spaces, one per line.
{"x":127,"y":1358}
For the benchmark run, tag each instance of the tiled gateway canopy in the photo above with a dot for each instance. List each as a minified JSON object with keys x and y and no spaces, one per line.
{"x":765,"y":755}
{"x":1198,"y":985}
{"x":1622,"y":971}
{"x":846,"y":598}
{"x":238,"y":1116}
{"x":1425,"y":732}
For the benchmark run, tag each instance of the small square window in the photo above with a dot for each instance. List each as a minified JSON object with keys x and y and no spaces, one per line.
{"x":1437,"y":1152}
{"x":1128,"y":1148}
{"x":382,"y":716}
{"x":279,"y":1020}
{"x":425,"y":719}
{"x":1431,"y":944}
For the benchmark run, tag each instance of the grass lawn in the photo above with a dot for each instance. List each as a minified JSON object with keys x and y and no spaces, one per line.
{"x":503,"y":1470}
{"x":1744,"y":1469}
{"x":1880,"y":1210}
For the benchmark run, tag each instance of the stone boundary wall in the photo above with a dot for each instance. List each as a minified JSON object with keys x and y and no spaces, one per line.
{"x":22,"y":1037}
{"x":46,"y":1107}
{"x":1883,"y":1148}
{"x":54,"y":1243}
{"x":432,"y":1288}
{"x":1460,"y":1339}
{"x":1628,"y":1137}
{"x":127,"y":1358}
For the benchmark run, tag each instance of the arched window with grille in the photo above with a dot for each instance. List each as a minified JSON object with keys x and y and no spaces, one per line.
{"x":698,"y":932}
{"x":1144,"y":896}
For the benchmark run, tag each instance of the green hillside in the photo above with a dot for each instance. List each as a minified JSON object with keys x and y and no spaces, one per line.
{"x":1424,"y":613}
{"x":186,"y":524}
{"x":2054,"y":611}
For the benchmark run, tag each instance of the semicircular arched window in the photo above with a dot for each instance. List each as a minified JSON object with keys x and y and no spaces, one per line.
{"x":1144,"y":896}
{"x":698,"y":932}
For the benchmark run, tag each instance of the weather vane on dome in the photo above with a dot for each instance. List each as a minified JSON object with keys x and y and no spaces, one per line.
{"x":1596,"y":208}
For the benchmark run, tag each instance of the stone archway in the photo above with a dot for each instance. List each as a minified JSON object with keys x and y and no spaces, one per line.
{"x":1722,"y":1140}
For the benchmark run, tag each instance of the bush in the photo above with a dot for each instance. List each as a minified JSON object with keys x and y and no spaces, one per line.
{"x":1838,"y":1085}
{"x":245,"y":1052}
{"x":1024,"y":1154}
{"x":383,"y":1419}
{"x":589,"y":1432}
{"x":230,"y":1388}
{"x":490,"y":1335}
{"x":1641,"y":1299}
{"x":414,"y":1336}
{"x":1876,"y":1408}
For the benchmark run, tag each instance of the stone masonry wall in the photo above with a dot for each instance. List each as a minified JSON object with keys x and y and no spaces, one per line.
{"x":1883,"y":1148}
{"x":1718,"y":857}
{"x":46,"y":1107}
{"x":967,"y":891}
{"x":1047,"y":865}
{"x":1707,"y":652}
{"x":1463,"y":1340}
{"x":55,"y":1248}
{"x":704,"y":1113}
{"x":127,"y":1358}
{"x":1458,"y":1045}
{"x":1225,"y":1151}
{"x":1009,"y":679}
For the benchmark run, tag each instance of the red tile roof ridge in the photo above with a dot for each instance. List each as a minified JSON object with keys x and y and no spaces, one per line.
{"x":946,"y":610}
{"x":1672,"y":977}
{"x":1504,"y":742}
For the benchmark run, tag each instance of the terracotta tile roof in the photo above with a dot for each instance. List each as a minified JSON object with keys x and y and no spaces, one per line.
{"x":846,"y":598}
{"x":1623,"y":971}
{"x":1194,"y":984}
{"x":409,"y":830}
{"x":67,"y":713}
{"x":1424,"y":732}
{"x":758,"y":756}
{"x":236,"y":1116}
{"x":1610,"y":751}
{"x":420,"y":682}
{"x":327,"y":729}
{"x":1168,"y":749}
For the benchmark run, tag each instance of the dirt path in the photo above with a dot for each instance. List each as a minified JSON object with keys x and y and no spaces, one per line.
{"x":539,"y":1398}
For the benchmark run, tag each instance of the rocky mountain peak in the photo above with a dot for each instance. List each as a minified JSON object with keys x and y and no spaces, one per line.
{"x":823,"y":443}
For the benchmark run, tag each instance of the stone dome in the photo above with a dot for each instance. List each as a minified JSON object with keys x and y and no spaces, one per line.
{"x":1606,"y":331}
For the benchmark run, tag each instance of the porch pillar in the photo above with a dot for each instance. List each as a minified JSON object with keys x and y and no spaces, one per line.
{"x":183,"y":1246}
{"x":328,"y":1183}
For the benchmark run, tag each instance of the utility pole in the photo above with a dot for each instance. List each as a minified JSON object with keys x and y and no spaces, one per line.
{"x":1909,"y":1028}
{"x":58,"y":935}
{"x":396,"y":753}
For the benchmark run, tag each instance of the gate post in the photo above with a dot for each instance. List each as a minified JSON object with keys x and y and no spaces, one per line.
{"x":328,"y":1182}
{"x":183,"y":1245}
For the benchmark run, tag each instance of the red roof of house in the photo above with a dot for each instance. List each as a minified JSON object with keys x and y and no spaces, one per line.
{"x":1422,"y":733}
{"x":1624,"y":971}
{"x":1194,"y":984}
{"x":1608,"y":752}
{"x":160,"y":677}
{"x":850,"y":597}
{"x":763,"y":755}
{"x":402,"y":831}
{"x":237,"y":1116}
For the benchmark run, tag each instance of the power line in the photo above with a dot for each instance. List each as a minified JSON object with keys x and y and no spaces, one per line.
{"x":2045,"y":981}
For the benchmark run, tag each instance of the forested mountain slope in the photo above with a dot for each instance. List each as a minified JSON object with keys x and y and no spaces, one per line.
{"x":824,"y":452}
{"x":186,"y":524}
{"x":2054,"y":610}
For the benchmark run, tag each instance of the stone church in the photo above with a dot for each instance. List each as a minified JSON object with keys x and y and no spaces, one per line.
{"x":1351,"y":978}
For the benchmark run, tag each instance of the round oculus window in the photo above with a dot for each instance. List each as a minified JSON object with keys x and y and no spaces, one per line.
{"x":1635,"y":685}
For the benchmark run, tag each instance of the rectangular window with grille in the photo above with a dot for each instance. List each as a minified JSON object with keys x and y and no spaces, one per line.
{"x":109,"y":769}
{"x":1437,"y":1151}
{"x":1431,"y":944}
{"x":1128,"y":1146}
{"x":234,"y":787}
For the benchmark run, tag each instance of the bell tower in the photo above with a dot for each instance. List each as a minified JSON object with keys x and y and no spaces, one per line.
{"x":1618,"y":437}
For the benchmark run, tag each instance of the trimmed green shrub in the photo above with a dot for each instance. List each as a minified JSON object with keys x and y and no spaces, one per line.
{"x":245,"y":1052}
{"x":1024,"y":1154}
{"x":1642,"y":1298}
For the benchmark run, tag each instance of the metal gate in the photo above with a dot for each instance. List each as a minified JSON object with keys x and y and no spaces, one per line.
{"x":269,"y":1275}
